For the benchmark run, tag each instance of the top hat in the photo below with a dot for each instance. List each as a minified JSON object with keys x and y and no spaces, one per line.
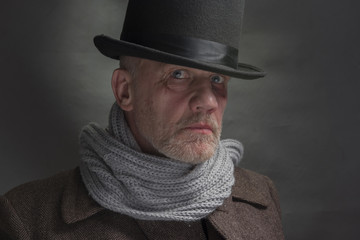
{"x":202,"y":34}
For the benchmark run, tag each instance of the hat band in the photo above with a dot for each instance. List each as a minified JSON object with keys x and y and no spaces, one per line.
{"x":194,"y":48}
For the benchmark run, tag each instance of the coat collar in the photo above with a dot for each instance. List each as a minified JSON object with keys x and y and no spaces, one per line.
{"x":250,"y":189}
{"x":77,"y":205}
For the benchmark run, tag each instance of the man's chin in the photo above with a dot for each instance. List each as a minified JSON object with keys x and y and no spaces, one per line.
{"x":190,"y":152}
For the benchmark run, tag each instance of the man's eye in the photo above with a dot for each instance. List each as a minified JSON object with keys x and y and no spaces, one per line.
{"x":179,"y":74}
{"x":217,"y":79}
{"x":178,"y":80}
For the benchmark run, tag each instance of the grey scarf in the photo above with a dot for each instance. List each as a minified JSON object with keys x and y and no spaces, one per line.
{"x":121,"y":178}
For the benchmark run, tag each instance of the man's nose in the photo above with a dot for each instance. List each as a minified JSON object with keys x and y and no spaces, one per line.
{"x":204,"y":99}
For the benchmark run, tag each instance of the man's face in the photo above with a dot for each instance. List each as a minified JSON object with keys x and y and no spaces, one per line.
{"x":177,"y":111}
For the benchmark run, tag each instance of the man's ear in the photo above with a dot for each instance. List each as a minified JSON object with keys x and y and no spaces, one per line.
{"x":121,"y":86}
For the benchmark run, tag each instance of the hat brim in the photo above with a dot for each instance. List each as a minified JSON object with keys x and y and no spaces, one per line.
{"x":115,"y":48}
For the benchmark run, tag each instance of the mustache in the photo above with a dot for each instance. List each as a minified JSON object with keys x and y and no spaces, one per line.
{"x":203,"y":118}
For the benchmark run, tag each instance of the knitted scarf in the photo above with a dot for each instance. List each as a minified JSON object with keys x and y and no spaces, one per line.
{"x":123,"y":179}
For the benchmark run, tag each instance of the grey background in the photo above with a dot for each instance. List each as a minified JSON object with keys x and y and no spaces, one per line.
{"x":300,"y":125}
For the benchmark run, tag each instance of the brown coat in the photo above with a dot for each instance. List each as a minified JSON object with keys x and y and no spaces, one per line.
{"x":60,"y":208}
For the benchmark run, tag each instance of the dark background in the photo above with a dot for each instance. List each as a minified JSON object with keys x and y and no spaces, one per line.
{"x":300,"y":125}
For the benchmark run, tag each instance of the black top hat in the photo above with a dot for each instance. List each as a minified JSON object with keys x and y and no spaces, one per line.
{"x":201,"y":34}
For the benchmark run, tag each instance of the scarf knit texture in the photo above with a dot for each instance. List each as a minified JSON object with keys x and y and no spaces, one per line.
{"x":123,"y":179}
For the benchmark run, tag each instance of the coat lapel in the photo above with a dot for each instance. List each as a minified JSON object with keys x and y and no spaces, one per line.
{"x":246,"y":190}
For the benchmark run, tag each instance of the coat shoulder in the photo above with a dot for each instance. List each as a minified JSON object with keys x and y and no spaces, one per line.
{"x":23,"y":206}
{"x":43,"y":189}
{"x":60,"y":207}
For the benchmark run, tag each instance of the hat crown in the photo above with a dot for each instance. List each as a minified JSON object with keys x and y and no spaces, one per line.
{"x":213,"y":20}
{"x":202,"y":34}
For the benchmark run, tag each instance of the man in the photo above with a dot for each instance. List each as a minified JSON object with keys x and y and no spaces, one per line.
{"x":159,"y":171}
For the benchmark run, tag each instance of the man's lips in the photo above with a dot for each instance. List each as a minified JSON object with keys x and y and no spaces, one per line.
{"x":200,"y":128}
